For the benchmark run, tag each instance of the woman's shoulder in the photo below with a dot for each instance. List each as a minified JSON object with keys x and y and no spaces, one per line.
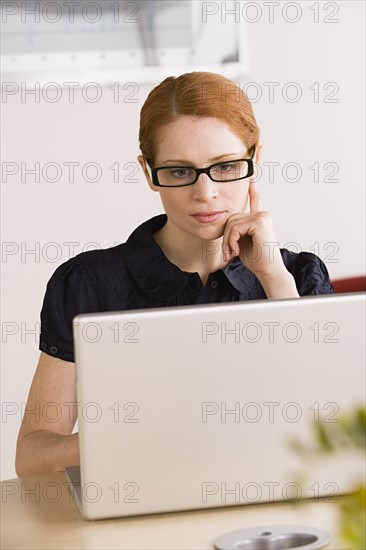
{"x":96,"y":256}
{"x":111,"y":265}
{"x":296,"y":258}
{"x":93,"y":264}
{"x":309,"y":271}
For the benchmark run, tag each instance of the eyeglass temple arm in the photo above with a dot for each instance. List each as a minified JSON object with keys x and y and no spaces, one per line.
{"x":148,"y":168}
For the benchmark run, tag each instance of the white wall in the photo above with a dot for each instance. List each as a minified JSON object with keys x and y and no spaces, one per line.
{"x":305,"y":212}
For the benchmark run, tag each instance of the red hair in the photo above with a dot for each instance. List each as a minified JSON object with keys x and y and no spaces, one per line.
{"x":196,"y":94}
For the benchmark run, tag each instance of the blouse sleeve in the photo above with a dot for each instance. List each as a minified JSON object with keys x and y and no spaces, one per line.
{"x":309,"y":271}
{"x":69,"y":291}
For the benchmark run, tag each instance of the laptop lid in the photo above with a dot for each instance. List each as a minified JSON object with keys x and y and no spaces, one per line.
{"x":196,"y":406}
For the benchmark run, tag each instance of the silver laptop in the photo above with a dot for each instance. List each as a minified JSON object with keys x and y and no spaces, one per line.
{"x":199,"y":406}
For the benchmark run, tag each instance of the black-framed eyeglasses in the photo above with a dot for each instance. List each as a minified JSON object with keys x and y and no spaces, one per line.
{"x":181,"y":176}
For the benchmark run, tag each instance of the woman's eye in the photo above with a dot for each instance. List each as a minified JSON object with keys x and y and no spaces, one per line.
{"x":181,"y":172}
{"x":225,"y":167}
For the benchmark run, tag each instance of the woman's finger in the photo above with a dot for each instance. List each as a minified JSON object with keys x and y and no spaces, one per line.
{"x":255,"y":201}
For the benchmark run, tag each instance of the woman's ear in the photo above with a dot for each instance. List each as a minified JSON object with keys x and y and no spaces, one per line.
{"x":142,"y":163}
{"x":258,"y":152}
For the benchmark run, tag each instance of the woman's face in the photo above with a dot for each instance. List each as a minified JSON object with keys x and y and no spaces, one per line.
{"x":199,"y":142}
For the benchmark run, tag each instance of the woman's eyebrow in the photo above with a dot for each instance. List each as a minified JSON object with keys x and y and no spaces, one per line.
{"x":211,"y":160}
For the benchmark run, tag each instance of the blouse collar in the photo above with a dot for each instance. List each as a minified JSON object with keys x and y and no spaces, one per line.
{"x":160,"y":278}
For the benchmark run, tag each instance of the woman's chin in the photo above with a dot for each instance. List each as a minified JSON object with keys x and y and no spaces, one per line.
{"x":209,"y":233}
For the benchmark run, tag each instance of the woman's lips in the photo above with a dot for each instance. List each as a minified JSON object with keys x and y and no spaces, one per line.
{"x":208,"y":217}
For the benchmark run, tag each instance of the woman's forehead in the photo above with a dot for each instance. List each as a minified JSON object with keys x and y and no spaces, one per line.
{"x":202,"y":135}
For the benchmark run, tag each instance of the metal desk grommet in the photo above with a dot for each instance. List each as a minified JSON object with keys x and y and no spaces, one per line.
{"x":274,"y":537}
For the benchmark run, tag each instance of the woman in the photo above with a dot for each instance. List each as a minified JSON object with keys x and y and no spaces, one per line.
{"x":206,"y":248}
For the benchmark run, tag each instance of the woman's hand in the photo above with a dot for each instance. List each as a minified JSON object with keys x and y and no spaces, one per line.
{"x":251,"y":237}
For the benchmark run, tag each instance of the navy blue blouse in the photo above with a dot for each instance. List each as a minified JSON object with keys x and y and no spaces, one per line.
{"x":137,"y":275}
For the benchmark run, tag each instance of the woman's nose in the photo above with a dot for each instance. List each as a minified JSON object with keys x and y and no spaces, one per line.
{"x":204,"y":188}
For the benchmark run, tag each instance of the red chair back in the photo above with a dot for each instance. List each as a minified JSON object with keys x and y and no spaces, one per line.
{"x":349,"y":284}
